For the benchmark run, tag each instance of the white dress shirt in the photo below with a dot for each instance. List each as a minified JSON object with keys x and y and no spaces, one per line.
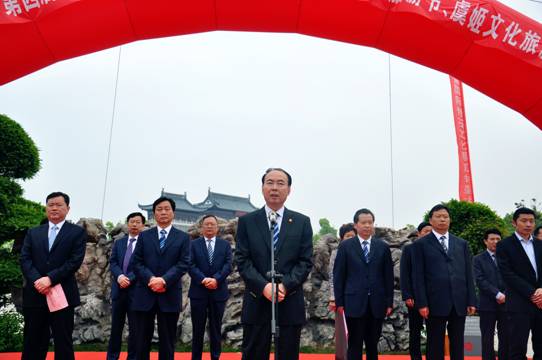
{"x":213,"y":241}
{"x":361,"y":240}
{"x":280,"y":215}
{"x":168,"y":229}
{"x":446,"y":240}
{"x":58,"y":226}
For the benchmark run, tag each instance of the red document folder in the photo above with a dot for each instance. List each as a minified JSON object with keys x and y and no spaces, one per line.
{"x":56,"y":299}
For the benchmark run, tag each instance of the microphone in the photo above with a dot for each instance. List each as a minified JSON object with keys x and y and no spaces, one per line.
{"x":272,"y":217}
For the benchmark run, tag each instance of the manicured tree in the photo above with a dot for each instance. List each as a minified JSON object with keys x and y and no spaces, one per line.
{"x":19,"y":160}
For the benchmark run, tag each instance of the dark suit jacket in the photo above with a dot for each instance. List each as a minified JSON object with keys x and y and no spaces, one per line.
{"x":443,"y":280}
{"x":200,"y":269}
{"x":170,"y":263}
{"x":354,"y":279}
{"x":115,"y":265}
{"x":406,"y":275}
{"x":293,"y":258}
{"x":518,"y":273}
{"x":489,"y":281}
{"x":60,"y":264}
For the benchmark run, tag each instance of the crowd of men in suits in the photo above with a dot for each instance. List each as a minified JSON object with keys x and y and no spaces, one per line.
{"x":437,"y":282}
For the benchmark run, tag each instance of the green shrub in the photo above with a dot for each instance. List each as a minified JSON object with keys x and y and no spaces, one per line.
{"x":20,"y":157}
{"x":10,"y":271}
{"x":11,"y":331}
{"x":470,"y":220}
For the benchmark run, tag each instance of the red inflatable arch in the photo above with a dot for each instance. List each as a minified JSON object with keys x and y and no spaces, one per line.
{"x":484,"y":43}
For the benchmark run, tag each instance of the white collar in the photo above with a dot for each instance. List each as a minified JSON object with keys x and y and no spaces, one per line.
{"x":438,"y":235}
{"x":520,"y":238}
{"x":279,"y":212}
{"x":59,"y":225}
{"x":168,"y":229}
{"x":362,"y":239}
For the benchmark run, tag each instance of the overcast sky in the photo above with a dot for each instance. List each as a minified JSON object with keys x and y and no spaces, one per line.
{"x":217,"y":109}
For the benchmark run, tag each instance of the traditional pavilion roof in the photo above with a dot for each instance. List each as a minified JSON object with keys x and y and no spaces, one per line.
{"x":213,"y":200}
{"x":226,"y":202}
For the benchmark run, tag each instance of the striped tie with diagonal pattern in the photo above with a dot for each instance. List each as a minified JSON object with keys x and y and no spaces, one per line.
{"x":365,"y":248}
{"x":210,"y":250}
{"x":443,"y":243}
{"x":275,"y":235}
{"x":162,"y":238}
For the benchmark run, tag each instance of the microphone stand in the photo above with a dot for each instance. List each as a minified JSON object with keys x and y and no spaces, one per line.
{"x":275,"y":278}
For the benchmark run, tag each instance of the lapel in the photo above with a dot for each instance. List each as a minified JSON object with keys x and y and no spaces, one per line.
{"x":358,"y":251}
{"x":521,"y":251}
{"x":433,"y":241}
{"x":155,"y":236}
{"x":490,"y":261}
{"x":374,"y":250}
{"x":44,"y":234}
{"x":64,"y":230}
{"x":452,"y":245}
{"x":284,"y":227}
{"x":123,"y":246}
{"x":169,"y":239}
{"x":261,"y":223}
{"x":537,"y":246}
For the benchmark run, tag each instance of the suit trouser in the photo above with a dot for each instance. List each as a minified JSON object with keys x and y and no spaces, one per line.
{"x":167,"y":333}
{"x":366,"y":329}
{"x":201,"y":309}
{"x":38,"y":324}
{"x":488,"y":319}
{"x":415,"y":325}
{"x":257,"y":342}
{"x":436,"y":331}
{"x":519,"y":325}
{"x":119,"y":311}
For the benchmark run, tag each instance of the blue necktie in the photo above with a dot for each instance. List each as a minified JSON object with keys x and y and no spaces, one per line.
{"x":210,"y":251}
{"x":128,"y":255}
{"x":365,"y":249}
{"x":52,"y":236}
{"x":162,"y":238}
{"x":275,"y":235}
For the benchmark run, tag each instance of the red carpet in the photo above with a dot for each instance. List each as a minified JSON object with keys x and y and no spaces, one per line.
{"x":224,"y":356}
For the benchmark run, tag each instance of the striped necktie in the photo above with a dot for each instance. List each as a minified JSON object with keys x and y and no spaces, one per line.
{"x":443,"y":243}
{"x":365,"y":248}
{"x":162,"y":238}
{"x":275,"y":235}
{"x":210,"y":251}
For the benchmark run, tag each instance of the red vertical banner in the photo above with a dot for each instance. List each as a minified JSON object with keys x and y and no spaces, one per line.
{"x":466,"y":191}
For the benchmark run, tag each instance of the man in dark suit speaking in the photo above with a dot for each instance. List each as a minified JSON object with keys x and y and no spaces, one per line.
{"x":161,"y":258}
{"x":51,"y":255}
{"x":363,"y":284}
{"x":292,"y":243}
{"x":122,"y":287}
{"x":443,"y":285}
{"x":211,"y":265}
{"x":520,"y":261}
